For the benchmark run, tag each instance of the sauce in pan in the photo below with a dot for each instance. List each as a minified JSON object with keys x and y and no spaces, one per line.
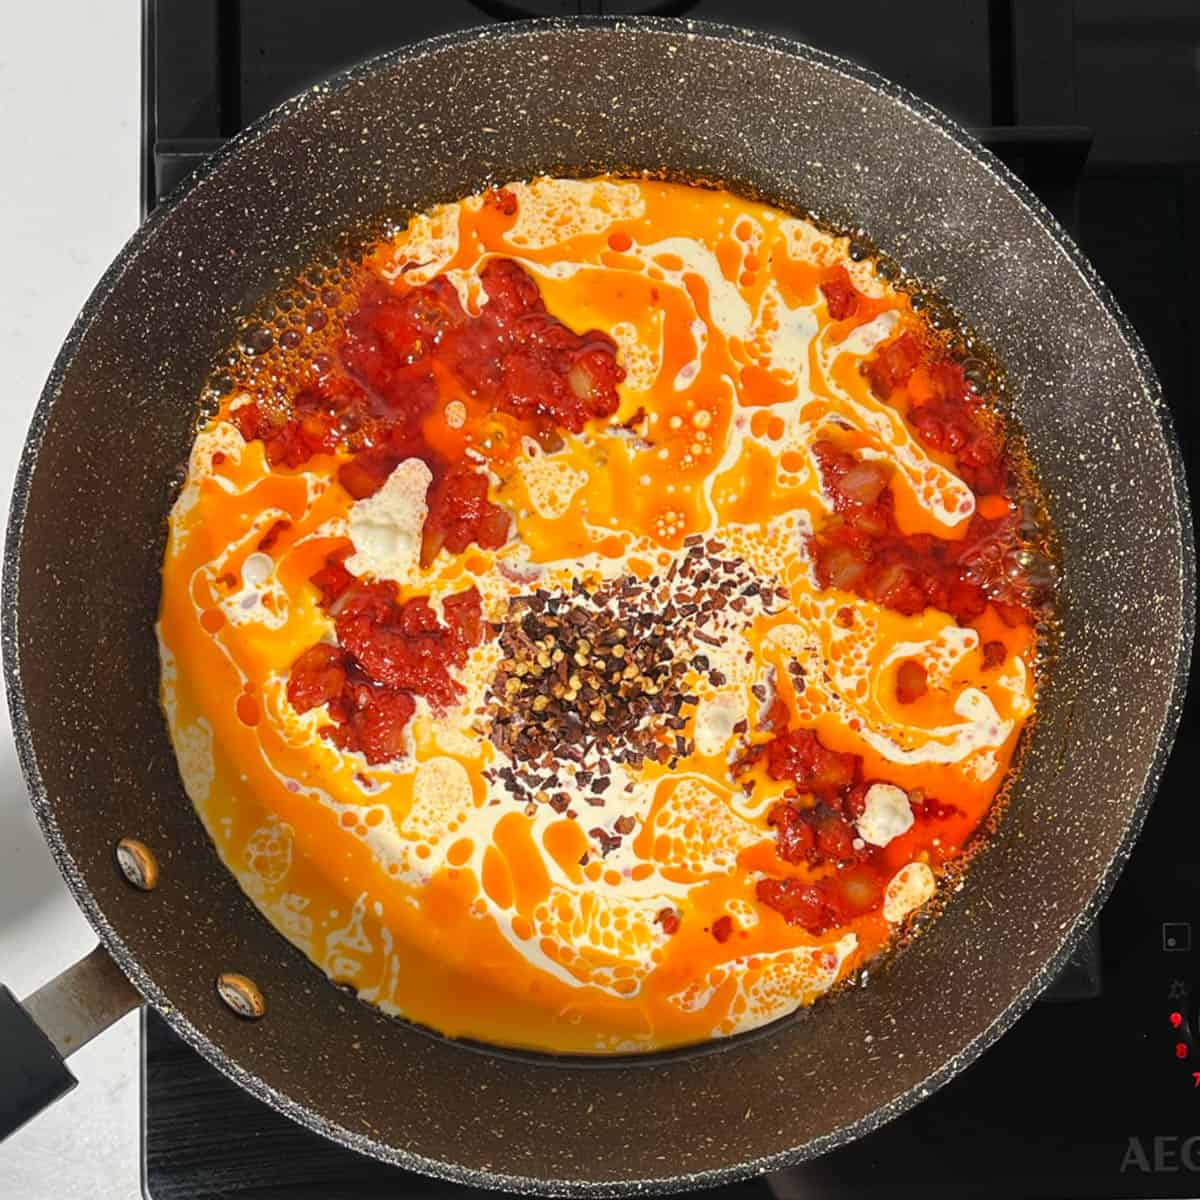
{"x":598,"y":619}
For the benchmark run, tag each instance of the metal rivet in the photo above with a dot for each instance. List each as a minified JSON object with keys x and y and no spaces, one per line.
{"x":137,"y":864}
{"x":241,"y":995}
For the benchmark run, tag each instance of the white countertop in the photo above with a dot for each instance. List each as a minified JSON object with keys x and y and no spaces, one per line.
{"x":69,"y":130}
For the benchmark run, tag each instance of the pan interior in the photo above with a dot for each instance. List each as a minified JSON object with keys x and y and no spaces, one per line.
{"x":424,"y":126}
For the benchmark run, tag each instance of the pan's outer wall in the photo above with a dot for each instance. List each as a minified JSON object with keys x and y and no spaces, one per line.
{"x":432,"y":125}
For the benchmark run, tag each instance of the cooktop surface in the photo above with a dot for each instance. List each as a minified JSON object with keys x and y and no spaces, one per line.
{"x":1096,"y":1091}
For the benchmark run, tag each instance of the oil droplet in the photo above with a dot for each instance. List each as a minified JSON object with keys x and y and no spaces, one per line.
{"x":248,"y":710}
{"x":211,"y":620}
{"x":257,"y":340}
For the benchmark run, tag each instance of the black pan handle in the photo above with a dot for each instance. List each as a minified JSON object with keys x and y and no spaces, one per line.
{"x":39,"y":1035}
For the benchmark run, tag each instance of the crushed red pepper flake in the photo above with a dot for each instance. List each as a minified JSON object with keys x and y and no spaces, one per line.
{"x":268,"y":539}
{"x":669,"y":920}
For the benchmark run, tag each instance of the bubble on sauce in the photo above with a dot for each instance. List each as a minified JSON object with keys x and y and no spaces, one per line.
{"x":805,"y":242}
{"x":256,"y":340}
{"x":550,"y":482}
{"x":552,"y":211}
{"x":194,"y":754}
{"x":425,"y":247}
{"x":768,"y":986}
{"x":639,"y":352}
{"x":744,"y":914}
{"x":342,"y":945}
{"x":781,"y":339}
{"x":694,"y":829}
{"x":442,"y":798}
{"x":601,"y":940}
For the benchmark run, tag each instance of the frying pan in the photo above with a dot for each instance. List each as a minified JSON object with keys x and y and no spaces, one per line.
{"x":103,"y":461}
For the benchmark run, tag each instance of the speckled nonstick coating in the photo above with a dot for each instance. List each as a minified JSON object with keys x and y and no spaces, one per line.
{"x":432,"y":123}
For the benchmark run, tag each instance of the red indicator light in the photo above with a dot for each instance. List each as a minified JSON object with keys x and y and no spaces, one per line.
{"x":1181,"y":1050}
{"x":1176,"y":1020}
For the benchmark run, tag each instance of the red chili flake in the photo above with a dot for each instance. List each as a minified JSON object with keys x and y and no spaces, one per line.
{"x":946,"y":414}
{"x":840,"y":294}
{"x":747,"y":758}
{"x":722,"y":929}
{"x":994,"y":654}
{"x":972,"y":435}
{"x":548,"y":437}
{"x":855,"y":484}
{"x":268,"y":539}
{"x":668,"y":918}
{"x":218,"y":458}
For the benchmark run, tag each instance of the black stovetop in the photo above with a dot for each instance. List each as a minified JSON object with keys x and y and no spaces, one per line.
{"x":1095,"y":1092}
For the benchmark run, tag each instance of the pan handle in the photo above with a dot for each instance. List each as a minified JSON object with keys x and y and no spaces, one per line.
{"x":39,"y":1035}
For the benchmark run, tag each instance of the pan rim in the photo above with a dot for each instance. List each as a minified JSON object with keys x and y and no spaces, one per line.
{"x":340,"y":82}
